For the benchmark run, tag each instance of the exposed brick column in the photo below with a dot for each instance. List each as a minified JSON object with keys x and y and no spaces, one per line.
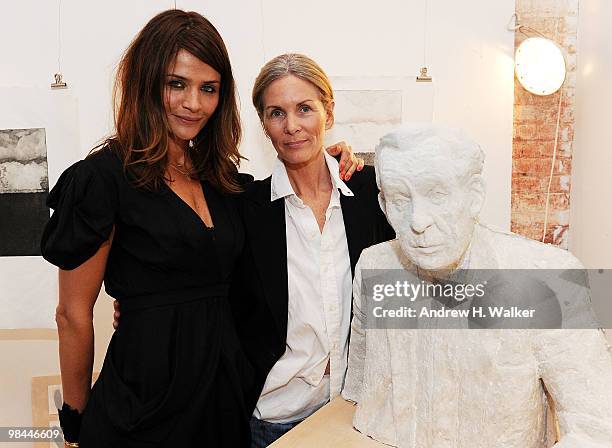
{"x":535,"y":120}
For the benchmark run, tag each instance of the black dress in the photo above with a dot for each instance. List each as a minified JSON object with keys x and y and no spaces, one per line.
{"x":174,"y":373}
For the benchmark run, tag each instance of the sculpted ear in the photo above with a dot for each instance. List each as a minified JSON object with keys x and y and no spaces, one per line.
{"x":381,"y":203}
{"x":477,"y":190}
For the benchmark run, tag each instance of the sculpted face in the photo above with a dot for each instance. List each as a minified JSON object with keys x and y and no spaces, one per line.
{"x":431,"y":206}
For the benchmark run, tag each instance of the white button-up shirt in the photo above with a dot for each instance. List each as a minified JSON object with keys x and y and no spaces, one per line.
{"x":319,"y":280}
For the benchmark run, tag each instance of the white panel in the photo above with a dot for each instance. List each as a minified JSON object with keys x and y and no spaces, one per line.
{"x":347,"y":37}
{"x":591,"y":204}
{"x":362,"y":116}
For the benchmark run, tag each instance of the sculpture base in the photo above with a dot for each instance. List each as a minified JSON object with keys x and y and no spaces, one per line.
{"x":330,"y":426}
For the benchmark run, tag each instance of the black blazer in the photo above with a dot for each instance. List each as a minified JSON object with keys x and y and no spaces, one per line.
{"x":259,"y":294}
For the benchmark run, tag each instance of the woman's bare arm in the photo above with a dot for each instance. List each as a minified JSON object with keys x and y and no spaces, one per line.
{"x":78,"y":291}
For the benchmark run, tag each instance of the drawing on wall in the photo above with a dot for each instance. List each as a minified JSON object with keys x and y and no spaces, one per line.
{"x":361,"y":117}
{"x":24,"y":186}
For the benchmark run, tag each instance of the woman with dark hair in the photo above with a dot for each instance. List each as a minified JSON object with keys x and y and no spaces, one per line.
{"x":150,"y":90}
{"x":151,"y":212}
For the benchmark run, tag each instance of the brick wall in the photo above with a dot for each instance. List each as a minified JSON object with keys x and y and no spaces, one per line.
{"x":534,"y":130}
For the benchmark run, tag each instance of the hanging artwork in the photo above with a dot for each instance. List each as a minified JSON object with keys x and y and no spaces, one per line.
{"x":36,"y":145}
{"x":24,"y":186}
{"x":367,"y":107}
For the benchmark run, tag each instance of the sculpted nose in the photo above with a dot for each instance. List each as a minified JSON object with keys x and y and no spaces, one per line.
{"x":421,"y":218}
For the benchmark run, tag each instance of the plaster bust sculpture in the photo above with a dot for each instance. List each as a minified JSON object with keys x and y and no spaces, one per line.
{"x":466,"y":388}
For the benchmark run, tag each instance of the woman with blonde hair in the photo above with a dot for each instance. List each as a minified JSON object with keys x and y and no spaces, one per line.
{"x":305,"y":229}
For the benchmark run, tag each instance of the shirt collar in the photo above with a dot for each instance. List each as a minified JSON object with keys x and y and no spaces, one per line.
{"x":281,"y":186}
{"x":333,"y":167}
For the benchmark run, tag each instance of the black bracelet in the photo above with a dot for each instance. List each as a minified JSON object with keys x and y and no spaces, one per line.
{"x":70,"y":421}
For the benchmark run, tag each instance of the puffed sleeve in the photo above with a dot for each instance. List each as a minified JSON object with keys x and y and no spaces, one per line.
{"x":84,"y":201}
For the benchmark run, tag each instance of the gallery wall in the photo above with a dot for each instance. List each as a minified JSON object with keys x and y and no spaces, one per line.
{"x":591,"y":215}
{"x":361,"y":45}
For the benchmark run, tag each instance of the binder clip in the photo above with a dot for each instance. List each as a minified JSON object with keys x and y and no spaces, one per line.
{"x":424,"y":77}
{"x":58,"y":84}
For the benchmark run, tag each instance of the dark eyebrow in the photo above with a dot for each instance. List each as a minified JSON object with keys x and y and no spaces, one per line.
{"x":173,"y":75}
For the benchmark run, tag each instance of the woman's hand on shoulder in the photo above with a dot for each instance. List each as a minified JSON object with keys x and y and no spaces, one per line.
{"x":348,"y":161}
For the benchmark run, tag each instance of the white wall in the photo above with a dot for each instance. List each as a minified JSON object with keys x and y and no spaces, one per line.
{"x":590,"y":236}
{"x":591,"y":197}
{"x":469,"y":52}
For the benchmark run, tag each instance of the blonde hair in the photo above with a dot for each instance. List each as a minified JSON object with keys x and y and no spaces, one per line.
{"x":291,"y":64}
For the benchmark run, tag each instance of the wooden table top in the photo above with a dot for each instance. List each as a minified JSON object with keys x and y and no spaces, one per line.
{"x":331,"y":426}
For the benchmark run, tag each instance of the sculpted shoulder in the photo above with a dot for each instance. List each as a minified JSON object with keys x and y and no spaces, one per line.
{"x":387,"y":255}
{"x":515,"y":251}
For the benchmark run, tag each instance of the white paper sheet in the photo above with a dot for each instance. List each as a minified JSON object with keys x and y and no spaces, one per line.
{"x":28,"y":285}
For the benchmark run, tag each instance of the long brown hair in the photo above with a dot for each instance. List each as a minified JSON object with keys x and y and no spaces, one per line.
{"x":142,"y":128}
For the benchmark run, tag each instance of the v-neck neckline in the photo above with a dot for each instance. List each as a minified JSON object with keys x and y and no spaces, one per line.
{"x":193,"y":212}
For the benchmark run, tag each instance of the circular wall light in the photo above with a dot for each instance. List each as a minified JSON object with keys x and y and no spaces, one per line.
{"x":540,"y":66}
